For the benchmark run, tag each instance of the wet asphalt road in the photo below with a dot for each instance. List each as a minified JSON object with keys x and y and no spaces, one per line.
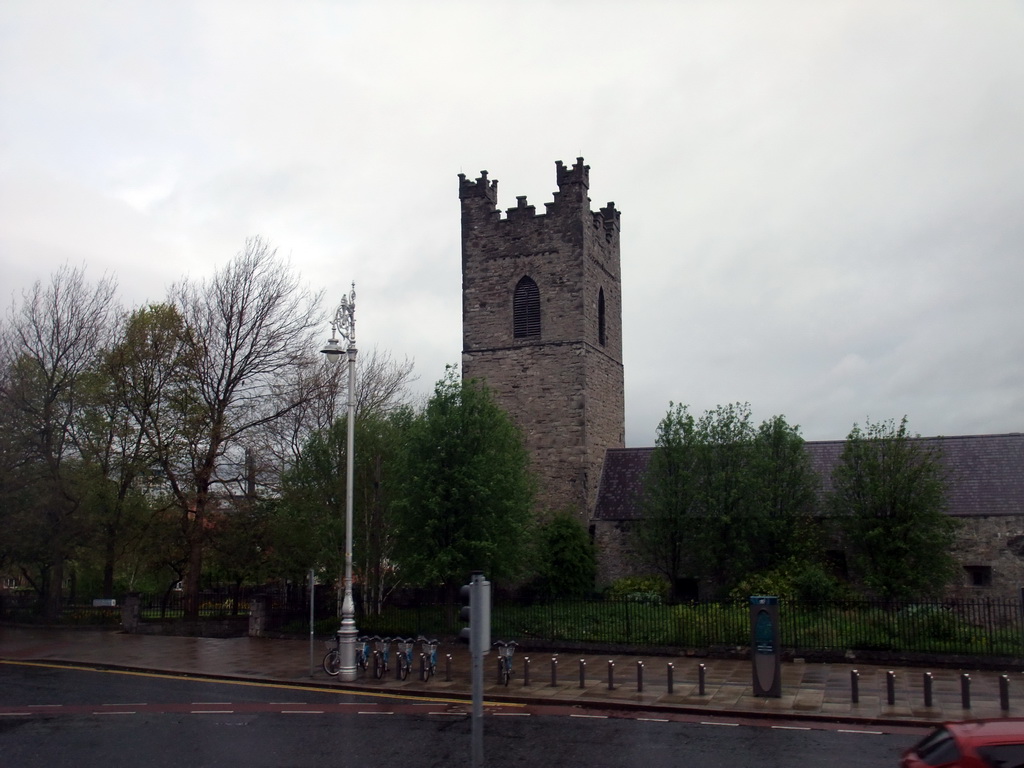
{"x":53,"y":717}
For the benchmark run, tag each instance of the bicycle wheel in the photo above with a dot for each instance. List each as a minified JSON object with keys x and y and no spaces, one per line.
{"x":506,"y":673}
{"x":332,"y":662}
{"x":403,"y":666}
{"x":378,"y":665}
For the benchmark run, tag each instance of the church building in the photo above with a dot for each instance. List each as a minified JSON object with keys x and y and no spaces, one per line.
{"x":542,"y":327}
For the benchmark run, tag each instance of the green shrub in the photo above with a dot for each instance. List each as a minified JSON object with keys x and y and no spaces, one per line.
{"x":566,"y":559}
{"x":640,"y":589}
{"x":792,"y":580}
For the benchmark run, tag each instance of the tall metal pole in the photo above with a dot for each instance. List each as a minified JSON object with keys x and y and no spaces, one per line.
{"x":312,"y":620}
{"x":348,"y":606}
{"x":345,"y":324}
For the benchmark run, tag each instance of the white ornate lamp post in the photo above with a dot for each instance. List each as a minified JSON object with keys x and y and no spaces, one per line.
{"x":344,"y":324}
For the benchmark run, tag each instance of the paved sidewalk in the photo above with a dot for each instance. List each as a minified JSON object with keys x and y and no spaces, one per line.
{"x":809,"y":691}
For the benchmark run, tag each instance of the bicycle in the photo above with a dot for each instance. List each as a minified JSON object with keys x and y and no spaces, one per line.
{"x":404,"y":657}
{"x":428,"y":649}
{"x":382,"y":650}
{"x":332,"y":661}
{"x":505,"y":652}
{"x":363,"y":652}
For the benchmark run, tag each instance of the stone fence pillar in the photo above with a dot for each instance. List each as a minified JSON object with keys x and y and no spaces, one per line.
{"x":131,"y":612}
{"x":259,"y":613}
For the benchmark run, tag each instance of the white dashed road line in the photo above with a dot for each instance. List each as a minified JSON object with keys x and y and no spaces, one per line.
{"x":870,"y":733}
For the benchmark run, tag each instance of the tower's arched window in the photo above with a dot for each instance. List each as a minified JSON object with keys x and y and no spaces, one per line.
{"x":600,"y":317}
{"x":526,"y":310}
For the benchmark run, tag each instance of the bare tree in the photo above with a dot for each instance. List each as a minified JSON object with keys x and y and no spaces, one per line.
{"x":382,"y":387}
{"x":382,"y":382}
{"x":50,"y":342}
{"x":248,"y":331}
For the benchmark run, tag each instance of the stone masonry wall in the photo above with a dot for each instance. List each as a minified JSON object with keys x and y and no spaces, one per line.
{"x":615,"y":556}
{"x":564,"y":388}
{"x":995,"y":542}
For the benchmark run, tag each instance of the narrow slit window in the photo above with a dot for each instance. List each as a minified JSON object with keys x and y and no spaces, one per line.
{"x":600,"y":317}
{"x":526,"y":310}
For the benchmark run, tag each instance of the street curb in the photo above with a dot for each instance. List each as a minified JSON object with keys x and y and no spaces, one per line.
{"x":535,"y":701}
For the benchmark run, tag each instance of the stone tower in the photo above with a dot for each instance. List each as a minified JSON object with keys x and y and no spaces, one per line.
{"x":542,"y":326}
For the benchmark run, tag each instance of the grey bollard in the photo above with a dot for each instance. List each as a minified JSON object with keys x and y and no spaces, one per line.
{"x":927,"y":689}
{"x":554,"y":671}
{"x":701,"y":670}
{"x":854,"y":686}
{"x":890,"y":687}
{"x":965,"y":691}
{"x":668,"y":671}
{"x":448,"y":668}
{"x":639,"y":677}
{"x":526,"y":671}
{"x":583,"y":673}
{"x":611,"y":675}
{"x":1004,"y":693}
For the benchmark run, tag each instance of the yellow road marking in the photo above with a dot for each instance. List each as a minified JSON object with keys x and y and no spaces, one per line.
{"x":254,"y":683}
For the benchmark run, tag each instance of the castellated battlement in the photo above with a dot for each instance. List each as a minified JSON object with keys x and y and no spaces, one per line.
{"x":578,"y":174}
{"x":481,"y":189}
{"x":480,"y":201}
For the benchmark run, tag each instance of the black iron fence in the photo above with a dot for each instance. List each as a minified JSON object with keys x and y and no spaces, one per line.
{"x":218,"y":602}
{"x":975,"y":627}
{"x":983,"y":627}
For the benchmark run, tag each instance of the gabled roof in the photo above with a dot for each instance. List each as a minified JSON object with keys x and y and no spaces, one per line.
{"x":985,"y":472}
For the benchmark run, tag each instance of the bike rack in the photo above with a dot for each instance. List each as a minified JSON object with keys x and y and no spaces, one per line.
{"x":505,"y":652}
{"x":405,"y":647}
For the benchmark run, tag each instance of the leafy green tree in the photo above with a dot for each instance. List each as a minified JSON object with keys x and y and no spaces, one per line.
{"x":788,"y":491}
{"x":566,"y":562}
{"x":722,"y":499}
{"x":889,"y":494}
{"x":241,"y":550}
{"x":116,"y":457}
{"x":48,"y":346}
{"x":467,"y":489}
{"x":666,"y":537}
{"x":309,"y":526}
{"x":732,"y":513}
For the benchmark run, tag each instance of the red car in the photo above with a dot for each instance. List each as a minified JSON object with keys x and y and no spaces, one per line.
{"x":971,"y":744}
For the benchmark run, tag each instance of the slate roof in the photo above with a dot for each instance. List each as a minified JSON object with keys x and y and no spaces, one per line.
{"x":986,"y":475}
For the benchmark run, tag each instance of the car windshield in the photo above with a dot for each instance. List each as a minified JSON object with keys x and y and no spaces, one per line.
{"x":937,"y":748}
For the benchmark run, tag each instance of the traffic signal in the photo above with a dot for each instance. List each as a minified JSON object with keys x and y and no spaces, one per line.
{"x":476,"y":613}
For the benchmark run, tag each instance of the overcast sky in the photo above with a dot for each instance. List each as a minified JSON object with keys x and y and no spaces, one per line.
{"x":822,"y":202}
